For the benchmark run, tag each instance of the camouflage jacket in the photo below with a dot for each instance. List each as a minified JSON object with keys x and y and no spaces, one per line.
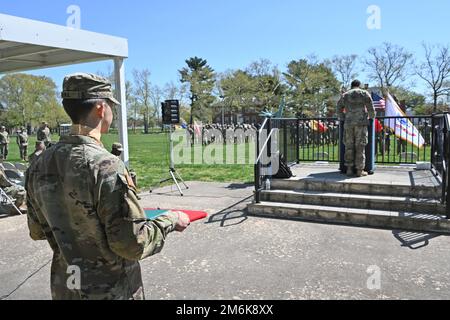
{"x":82,"y":201}
{"x":4,"y":137}
{"x":22,"y":139}
{"x":44,"y":135}
{"x":358,"y":105}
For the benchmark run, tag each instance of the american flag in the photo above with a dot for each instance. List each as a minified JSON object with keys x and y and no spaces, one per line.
{"x":378,"y":102}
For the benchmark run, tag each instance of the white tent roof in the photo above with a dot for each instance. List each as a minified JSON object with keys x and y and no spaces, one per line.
{"x":27,"y":44}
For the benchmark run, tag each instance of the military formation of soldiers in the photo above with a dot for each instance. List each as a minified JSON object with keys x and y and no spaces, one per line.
{"x":43,"y":136}
{"x":310,"y":136}
{"x":221,"y":134}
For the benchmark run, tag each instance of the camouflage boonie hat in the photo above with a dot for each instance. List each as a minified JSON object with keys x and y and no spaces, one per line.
{"x":82,"y":86}
{"x":117,"y":146}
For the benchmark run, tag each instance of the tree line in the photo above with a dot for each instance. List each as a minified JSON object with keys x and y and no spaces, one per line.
{"x":310,"y":85}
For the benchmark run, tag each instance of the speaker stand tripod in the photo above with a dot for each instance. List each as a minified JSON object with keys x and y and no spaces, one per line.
{"x":174,"y":175}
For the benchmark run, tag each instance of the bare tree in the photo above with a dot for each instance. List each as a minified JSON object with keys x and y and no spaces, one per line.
{"x":134,"y":108}
{"x":142,"y":93}
{"x":173,"y":91}
{"x":344,"y":68}
{"x":388,"y":64}
{"x":435,"y":71}
{"x":156,"y":96}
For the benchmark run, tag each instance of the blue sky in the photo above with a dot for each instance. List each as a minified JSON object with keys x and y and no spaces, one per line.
{"x":231,"y":34}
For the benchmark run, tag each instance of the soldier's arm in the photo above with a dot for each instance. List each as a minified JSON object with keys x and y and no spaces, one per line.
{"x":340,"y":109}
{"x":370,"y":107}
{"x":36,"y":231}
{"x":129,"y":233}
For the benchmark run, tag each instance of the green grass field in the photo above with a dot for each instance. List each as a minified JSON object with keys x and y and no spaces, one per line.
{"x":149,"y":157}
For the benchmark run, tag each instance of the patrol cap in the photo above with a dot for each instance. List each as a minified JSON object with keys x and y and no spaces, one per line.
{"x":117,"y":146}
{"x":82,"y":86}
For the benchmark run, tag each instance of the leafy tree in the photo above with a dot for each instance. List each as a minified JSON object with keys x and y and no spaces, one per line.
{"x":413,"y":100}
{"x":201,"y":79}
{"x":312,"y":87}
{"x":258,"y":87}
{"x":29,"y":100}
{"x":237,"y":89}
{"x":266,"y":83}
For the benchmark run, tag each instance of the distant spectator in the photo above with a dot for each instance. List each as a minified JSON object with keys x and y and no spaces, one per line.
{"x":22,"y":142}
{"x":4,"y":142}
{"x":40,"y":148}
{"x":117,"y":149}
{"x":44,"y":134}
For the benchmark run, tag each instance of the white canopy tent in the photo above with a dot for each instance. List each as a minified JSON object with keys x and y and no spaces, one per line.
{"x":27,"y":45}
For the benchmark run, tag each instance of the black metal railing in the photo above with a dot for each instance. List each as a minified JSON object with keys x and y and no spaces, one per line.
{"x":288,"y":142}
{"x":263,"y":145}
{"x":440,"y":154}
{"x":320,"y":139}
{"x":391,"y":145}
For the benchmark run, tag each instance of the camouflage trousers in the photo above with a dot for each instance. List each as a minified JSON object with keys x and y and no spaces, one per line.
{"x":23,"y":152}
{"x":96,"y":283}
{"x":356,"y":139}
{"x":3,"y":151}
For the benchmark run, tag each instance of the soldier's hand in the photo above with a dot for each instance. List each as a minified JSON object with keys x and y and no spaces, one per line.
{"x":183,"y":222}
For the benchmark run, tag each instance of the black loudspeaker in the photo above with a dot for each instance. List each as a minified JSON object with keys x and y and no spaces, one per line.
{"x":171,"y":112}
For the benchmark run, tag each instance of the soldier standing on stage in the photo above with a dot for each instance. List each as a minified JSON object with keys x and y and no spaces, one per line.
{"x":359,"y":109}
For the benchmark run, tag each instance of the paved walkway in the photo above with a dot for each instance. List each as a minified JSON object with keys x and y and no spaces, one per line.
{"x":233,"y":256}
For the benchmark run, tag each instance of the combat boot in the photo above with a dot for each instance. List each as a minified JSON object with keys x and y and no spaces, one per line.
{"x":349,"y":172}
{"x":361,"y":173}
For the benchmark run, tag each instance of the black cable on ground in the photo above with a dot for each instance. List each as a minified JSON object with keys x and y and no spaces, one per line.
{"x":23,"y":282}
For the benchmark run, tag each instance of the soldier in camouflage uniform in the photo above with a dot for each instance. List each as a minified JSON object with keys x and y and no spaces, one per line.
{"x":44,"y":134}
{"x":358,"y":105}
{"x":22,"y":142}
{"x":83,"y":202}
{"x":4,"y":142}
